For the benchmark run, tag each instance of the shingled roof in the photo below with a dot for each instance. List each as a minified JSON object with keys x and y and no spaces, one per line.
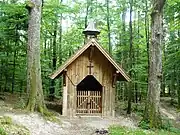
{"x":92,"y":42}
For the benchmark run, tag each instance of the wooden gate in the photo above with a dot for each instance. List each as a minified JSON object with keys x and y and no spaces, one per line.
{"x":89,"y":102}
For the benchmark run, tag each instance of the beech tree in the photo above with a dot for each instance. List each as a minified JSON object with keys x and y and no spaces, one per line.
{"x":152,"y":114}
{"x":34,"y":82}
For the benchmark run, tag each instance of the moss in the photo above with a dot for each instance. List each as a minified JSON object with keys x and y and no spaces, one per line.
{"x":33,"y":90}
{"x":155,"y":118}
{"x":152,"y":117}
{"x":50,"y":116}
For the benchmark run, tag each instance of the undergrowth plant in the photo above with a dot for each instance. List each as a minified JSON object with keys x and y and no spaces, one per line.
{"x":2,"y":132}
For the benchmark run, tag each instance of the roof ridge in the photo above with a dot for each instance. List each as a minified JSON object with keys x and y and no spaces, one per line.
{"x":84,"y":48}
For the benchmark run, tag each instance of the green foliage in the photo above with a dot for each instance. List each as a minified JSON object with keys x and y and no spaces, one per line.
{"x":7,"y":127}
{"x":21,"y":103}
{"x":167,"y":126}
{"x":70,"y":19}
{"x":5,"y":120}
{"x":144,"y":124}
{"x":13,"y":27}
{"x":2,"y":132}
{"x":116,"y":130}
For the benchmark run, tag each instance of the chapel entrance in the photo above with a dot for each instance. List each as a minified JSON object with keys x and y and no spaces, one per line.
{"x":89,"y":97}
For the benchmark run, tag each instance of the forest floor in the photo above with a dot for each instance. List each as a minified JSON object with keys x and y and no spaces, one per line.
{"x":38,"y":125}
{"x":169,"y":111}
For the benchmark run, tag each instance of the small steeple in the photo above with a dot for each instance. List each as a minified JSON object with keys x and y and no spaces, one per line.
{"x":91,"y":31}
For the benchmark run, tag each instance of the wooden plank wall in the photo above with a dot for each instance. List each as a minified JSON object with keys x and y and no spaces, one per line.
{"x":103,"y":72}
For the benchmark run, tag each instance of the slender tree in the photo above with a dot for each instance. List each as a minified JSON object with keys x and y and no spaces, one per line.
{"x":60,"y":37}
{"x":152,"y":114}
{"x":178,"y":89}
{"x":147,"y":30}
{"x":130,"y":58}
{"x":34,"y":82}
{"x":54,"y":58}
{"x":108,"y":27}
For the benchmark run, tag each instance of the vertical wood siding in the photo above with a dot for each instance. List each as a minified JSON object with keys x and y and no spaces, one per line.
{"x":103,"y":71}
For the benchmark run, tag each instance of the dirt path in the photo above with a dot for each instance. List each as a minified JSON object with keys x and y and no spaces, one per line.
{"x":171,"y":113}
{"x":37,"y":125}
{"x":74,"y":126}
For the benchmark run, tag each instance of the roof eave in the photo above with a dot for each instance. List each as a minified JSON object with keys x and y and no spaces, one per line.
{"x":70,"y":60}
{"x":59,"y":71}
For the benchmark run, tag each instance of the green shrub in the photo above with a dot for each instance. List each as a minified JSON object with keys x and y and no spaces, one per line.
{"x":2,"y":132}
{"x":166,"y":124}
{"x":175,"y":130}
{"x":20,"y":104}
{"x":144,"y":124}
{"x":5,"y":120}
{"x":117,"y":130}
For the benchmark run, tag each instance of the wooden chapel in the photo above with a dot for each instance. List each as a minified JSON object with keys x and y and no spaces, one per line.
{"x":89,"y":79}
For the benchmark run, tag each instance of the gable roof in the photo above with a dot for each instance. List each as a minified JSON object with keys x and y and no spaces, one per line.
{"x":92,"y":42}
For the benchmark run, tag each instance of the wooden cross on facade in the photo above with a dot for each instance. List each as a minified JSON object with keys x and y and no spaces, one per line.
{"x":90,"y":66}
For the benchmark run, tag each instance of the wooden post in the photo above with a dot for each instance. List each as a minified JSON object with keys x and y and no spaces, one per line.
{"x":64,"y":111}
{"x":103,"y":101}
{"x":75,"y":100}
{"x":113,"y":101}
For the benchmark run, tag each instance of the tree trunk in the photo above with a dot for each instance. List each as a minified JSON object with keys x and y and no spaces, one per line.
{"x":147,"y":34}
{"x":152,"y":114}
{"x":60,"y":37}
{"x":34,"y":82}
{"x":108,"y":27}
{"x":123,"y":39}
{"x":14,"y":69}
{"x":52,"y":88}
{"x":172,"y":87}
{"x":14,"y":60}
{"x":137,"y":59}
{"x":6,"y":89}
{"x":178,"y":90}
{"x":130,"y":59}
{"x":60,"y":49}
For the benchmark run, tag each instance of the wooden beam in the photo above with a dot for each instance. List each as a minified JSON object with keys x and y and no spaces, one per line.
{"x":64,"y":78}
{"x":64,"y":108}
{"x":91,"y":53}
{"x":114,"y":80}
